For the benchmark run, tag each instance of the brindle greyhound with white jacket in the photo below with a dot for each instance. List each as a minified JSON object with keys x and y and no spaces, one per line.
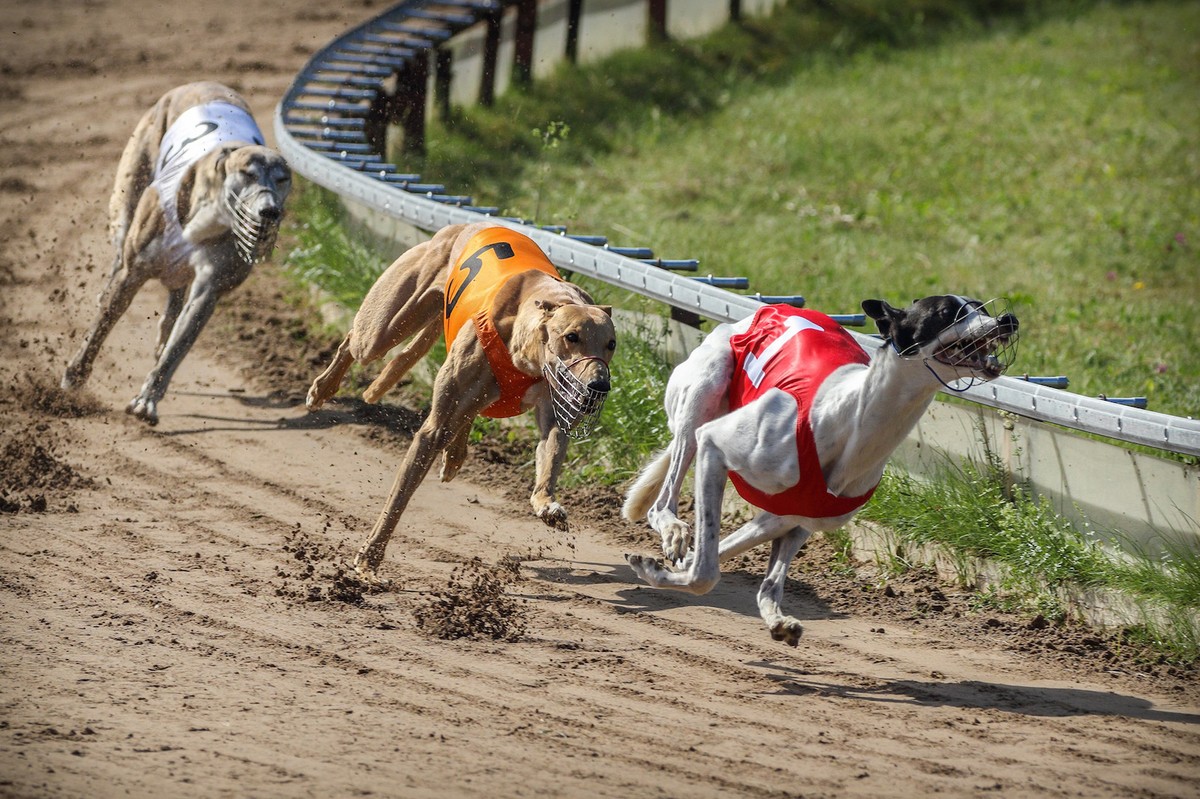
{"x":197,"y":203}
{"x":802,"y":421}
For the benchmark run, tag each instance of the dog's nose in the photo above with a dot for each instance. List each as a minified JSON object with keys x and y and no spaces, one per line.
{"x":1008,"y":323}
{"x":270,"y":214}
{"x":600,"y":384}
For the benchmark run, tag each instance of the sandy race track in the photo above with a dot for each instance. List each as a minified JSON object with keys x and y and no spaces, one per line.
{"x":171,"y":618}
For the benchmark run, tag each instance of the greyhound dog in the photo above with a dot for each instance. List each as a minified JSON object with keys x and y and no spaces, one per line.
{"x":802,"y":420}
{"x":197,"y":202}
{"x":517,"y":337}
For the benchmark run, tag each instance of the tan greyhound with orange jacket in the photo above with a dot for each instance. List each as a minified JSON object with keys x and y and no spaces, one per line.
{"x":517,"y":337}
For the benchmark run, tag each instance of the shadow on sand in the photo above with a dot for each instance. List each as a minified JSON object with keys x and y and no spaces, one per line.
{"x":1028,"y":700}
{"x":338,"y":411}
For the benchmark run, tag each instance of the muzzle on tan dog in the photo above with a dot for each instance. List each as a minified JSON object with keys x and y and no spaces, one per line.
{"x":577,"y":405}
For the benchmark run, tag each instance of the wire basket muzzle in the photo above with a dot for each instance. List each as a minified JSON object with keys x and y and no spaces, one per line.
{"x":986,"y":342}
{"x":576,"y":404}
{"x":253,"y":234}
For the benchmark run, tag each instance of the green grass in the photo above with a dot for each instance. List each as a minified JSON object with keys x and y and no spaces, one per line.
{"x":326,"y":255}
{"x":1051,"y":158}
{"x":972,"y":508}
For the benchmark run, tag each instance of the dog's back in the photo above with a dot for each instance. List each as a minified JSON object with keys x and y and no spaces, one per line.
{"x":135,"y":172}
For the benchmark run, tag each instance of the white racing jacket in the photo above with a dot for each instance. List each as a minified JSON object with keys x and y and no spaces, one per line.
{"x":197,"y":132}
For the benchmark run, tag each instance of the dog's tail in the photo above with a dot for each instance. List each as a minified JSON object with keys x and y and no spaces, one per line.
{"x":643,"y":491}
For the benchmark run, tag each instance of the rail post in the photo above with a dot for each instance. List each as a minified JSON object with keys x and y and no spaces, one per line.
{"x":491,"y":50}
{"x":523,"y":42}
{"x":658,"y":20}
{"x":574,"y":13}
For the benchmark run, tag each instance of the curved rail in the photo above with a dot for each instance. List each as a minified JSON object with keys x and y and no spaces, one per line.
{"x":321,"y":124}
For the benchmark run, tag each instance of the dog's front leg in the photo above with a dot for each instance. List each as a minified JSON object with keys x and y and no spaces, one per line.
{"x":199,"y":308}
{"x":551,"y":452}
{"x":175,"y":300}
{"x":770,"y":593}
{"x":462,"y":389}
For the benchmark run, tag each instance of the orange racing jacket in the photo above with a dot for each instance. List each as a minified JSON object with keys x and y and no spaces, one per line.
{"x":491,"y":257}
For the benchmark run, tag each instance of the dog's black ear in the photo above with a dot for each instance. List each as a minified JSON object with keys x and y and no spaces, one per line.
{"x":883,"y":314}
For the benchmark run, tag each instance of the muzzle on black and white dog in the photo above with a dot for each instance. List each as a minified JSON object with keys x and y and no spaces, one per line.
{"x":976,"y":341}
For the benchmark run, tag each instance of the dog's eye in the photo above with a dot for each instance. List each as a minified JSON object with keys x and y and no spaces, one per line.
{"x":573,"y":338}
{"x":612,"y":345}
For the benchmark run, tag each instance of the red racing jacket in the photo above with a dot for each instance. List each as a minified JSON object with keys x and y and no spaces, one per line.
{"x":793,"y":350}
{"x":491,"y":257}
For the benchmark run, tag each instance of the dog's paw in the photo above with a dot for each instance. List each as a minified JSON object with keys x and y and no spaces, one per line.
{"x":787,"y":630}
{"x":645,"y":567}
{"x":144,"y":409}
{"x":370,"y":580}
{"x":676,"y":536}
{"x":367,"y":573}
{"x":554,"y":515}
{"x":450,"y":467}
{"x":313,"y":400}
{"x":73,"y":378}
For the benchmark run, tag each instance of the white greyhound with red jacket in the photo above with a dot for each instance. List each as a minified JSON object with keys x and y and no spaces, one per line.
{"x":802,"y":421}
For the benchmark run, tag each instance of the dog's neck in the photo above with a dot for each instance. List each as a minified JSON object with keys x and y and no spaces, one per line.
{"x":862,"y":413}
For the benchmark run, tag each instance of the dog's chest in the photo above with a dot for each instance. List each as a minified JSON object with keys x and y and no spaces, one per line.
{"x":196,"y":133}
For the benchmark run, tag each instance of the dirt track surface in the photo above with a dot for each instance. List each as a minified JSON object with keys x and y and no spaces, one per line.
{"x":173,"y":622}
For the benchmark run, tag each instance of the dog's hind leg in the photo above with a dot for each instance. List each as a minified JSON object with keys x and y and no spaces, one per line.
{"x":696,"y":393}
{"x":120,"y":290}
{"x":461,"y":390}
{"x":757,"y":441}
{"x":405,"y":360}
{"x":703,"y":567}
{"x":326,"y":384}
{"x":454,"y":455}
